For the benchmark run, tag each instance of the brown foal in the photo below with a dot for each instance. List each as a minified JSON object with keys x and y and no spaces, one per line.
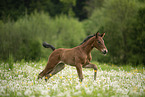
{"x":79,"y":57}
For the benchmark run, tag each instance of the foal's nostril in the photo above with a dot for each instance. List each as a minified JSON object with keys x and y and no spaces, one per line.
{"x":105,"y":51}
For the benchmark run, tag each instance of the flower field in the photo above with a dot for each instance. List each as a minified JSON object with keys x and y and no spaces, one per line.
{"x":112,"y":81}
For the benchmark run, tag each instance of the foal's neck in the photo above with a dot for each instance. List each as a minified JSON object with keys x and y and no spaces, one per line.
{"x":88,"y":45}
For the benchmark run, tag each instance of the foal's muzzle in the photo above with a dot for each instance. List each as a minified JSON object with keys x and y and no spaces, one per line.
{"x":104,"y":51}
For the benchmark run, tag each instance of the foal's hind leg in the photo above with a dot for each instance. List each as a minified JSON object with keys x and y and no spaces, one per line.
{"x":47,"y":69}
{"x":53,"y":61}
{"x":94,"y":67}
{"x":39,"y":76}
{"x":57,"y":69}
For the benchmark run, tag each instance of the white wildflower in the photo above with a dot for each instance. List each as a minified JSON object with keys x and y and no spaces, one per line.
{"x":28,"y":92}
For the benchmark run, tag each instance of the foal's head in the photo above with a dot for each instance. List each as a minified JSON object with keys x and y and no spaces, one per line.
{"x":99,"y":43}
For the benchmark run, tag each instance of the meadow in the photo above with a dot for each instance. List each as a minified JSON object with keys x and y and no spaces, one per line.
{"x":112,"y":81}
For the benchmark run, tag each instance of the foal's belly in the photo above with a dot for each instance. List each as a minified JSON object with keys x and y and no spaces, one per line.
{"x":72,"y":56}
{"x":68,"y":60}
{"x":68,"y":57}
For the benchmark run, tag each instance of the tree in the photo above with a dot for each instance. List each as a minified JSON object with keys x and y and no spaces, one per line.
{"x":10,"y":9}
{"x":115,"y":18}
{"x":137,"y":38}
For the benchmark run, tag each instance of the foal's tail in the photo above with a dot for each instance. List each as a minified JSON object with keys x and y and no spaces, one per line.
{"x":46,"y":45}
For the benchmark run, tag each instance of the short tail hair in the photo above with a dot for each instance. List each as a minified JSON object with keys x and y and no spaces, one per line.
{"x":46,"y":45}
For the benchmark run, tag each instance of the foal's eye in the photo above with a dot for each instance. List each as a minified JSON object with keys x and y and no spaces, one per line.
{"x":99,"y":42}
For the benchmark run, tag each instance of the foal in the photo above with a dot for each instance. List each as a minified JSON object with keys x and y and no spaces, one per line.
{"x":79,"y":57}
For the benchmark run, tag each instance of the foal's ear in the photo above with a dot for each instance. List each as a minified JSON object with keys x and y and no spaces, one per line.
{"x":97,"y":34}
{"x":102,"y":35}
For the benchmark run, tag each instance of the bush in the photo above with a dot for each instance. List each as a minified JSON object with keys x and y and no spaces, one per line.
{"x":122,"y":21}
{"x":24,"y":37}
{"x":70,"y":32}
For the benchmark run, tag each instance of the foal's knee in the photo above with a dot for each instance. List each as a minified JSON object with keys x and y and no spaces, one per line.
{"x":95,"y":67}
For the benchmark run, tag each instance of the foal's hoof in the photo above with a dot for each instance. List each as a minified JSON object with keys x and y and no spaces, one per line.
{"x":46,"y":78}
{"x":80,"y":80}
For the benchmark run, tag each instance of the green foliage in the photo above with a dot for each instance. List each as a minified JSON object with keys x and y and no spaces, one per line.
{"x":119,"y":18}
{"x":24,"y":37}
{"x":10,"y":62}
{"x":137,"y":38}
{"x":11,"y":10}
{"x":70,"y":32}
{"x":17,"y":39}
{"x":99,"y":57}
{"x":93,"y":4}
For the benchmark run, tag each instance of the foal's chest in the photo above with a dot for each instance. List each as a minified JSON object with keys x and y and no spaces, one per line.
{"x":86,"y":59}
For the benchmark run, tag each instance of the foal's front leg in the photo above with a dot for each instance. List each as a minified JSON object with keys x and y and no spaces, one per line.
{"x":94,"y":67}
{"x":79,"y":71}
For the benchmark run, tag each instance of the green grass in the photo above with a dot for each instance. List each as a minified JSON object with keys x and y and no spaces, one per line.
{"x":128,"y":68}
{"x":112,"y":80}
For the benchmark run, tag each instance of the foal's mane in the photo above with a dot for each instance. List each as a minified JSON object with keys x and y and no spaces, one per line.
{"x":86,"y":39}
